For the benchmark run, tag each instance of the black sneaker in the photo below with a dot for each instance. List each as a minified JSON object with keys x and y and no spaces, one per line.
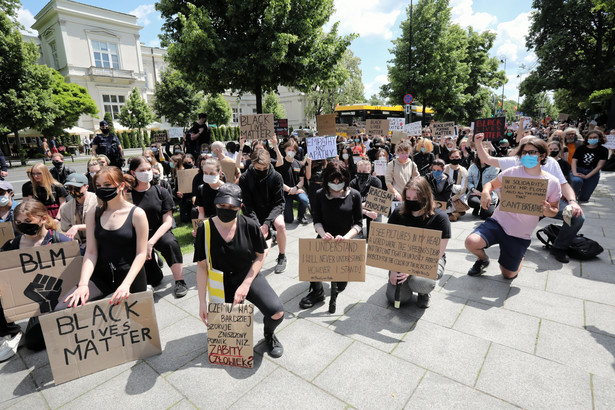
{"x":180,"y":289}
{"x":423,"y":301}
{"x":303,"y":220}
{"x":478,"y":268}
{"x":312,"y":298}
{"x":560,"y":255}
{"x":281,"y":266}
{"x":274,"y":347}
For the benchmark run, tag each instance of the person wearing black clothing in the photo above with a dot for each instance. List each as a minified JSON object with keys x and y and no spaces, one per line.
{"x":293,"y":174}
{"x":158,"y":207}
{"x":60,"y":171}
{"x":362,"y":182}
{"x":587,"y":161}
{"x":423,"y":157}
{"x":93,"y":167}
{"x":337,"y":214}
{"x":43,"y":187}
{"x":419,"y":211}
{"x":479,"y":174}
{"x":263,"y":201}
{"x":3,"y":167}
{"x":441,"y":186}
{"x":199,"y":134}
{"x":108,"y":144}
{"x":236,"y":247}
{"x":555,"y":152}
{"x":313,"y":174}
{"x":346,"y":157}
{"x":212,"y":179}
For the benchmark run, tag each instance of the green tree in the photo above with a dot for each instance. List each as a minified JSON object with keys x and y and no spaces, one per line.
{"x":581,"y":33}
{"x":136,"y":114}
{"x":272,"y":105}
{"x":218,"y":110}
{"x":109,"y":118}
{"x":71,"y":101}
{"x":251,"y":45}
{"x":376,"y":99}
{"x":175,"y":99}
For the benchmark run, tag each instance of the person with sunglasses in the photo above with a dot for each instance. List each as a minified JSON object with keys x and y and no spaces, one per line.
{"x":72,"y":215}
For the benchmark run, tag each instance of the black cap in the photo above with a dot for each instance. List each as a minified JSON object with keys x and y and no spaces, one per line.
{"x":229,"y":194}
{"x":103,"y":123}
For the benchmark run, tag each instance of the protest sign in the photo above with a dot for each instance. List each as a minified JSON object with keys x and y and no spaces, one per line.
{"x":523,"y":195}
{"x":176,"y":132}
{"x":341,"y":128}
{"x":280,"y":127}
{"x":351,"y":131}
{"x":396,"y":124}
{"x":380,"y":167}
{"x":6,"y":232}
{"x":302,"y":134}
{"x":33,"y":279}
{"x":377,"y":127}
{"x":397,"y":136}
{"x":196,"y":222}
{"x":184,"y":179}
{"x":415,"y":251}
{"x":98,"y":336}
{"x":325,"y":124}
{"x":562,"y":117}
{"x":321,"y":147}
{"x":610,"y":142}
{"x":443,"y":129}
{"x":256,"y":126}
{"x":379,"y":200}
{"x":527,"y":123}
{"x":493,"y":128}
{"x":414,"y":129}
{"x":230,"y":334}
{"x":321,"y":260}
{"x":158,"y":137}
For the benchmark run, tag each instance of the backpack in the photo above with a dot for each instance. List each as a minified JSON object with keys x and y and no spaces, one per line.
{"x":581,"y":248}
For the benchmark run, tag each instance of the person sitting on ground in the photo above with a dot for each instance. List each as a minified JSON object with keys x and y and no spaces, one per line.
{"x":587,"y":161}
{"x":362,"y":182}
{"x":72,"y":215}
{"x":458,"y":176}
{"x":423,"y":156}
{"x":441,"y":187}
{"x":7,"y":203}
{"x":400,"y":171}
{"x":293,"y":174}
{"x":93,"y":167}
{"x":478,"y":175}
{"x":45,"y":188}
{"x":59,"y":171}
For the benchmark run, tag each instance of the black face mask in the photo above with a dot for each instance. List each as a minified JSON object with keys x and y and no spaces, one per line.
{"x":362,"y":176}
{"x":226,"y":215}
{"x":188,"y":165}
{"x":412,"y":205}
{"x":106,"y":194}
{"x":261,"y":174}
{"x":57,"y":164}
{"x":29,"y":228}
{"x":554,"y":153}
{"x":105,"y":131}
{"x":76,"y":194}
{"x":155,"y":179}
{"x":456,"y":161}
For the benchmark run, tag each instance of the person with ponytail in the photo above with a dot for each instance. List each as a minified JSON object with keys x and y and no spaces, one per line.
{"x":116,"y":245}
{"x":158,"y":206}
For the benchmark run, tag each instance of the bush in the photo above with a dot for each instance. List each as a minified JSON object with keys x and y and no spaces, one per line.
{"x":133,"y":139}
{"x":147,"y":139}
{"x":124,"y":140}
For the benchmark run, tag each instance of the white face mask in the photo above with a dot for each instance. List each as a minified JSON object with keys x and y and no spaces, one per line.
{"x":290,"y":154}
{"x":336,"y":187}
{"x":4,"y":200}
{"x":211,"y":179}
{"x":145,"y":176}
{"x":92,"y":174}
{"x":345,"y":156}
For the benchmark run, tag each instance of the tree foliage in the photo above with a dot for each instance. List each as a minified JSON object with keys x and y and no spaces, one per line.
{"x":175,"y":99}
{"x":272,"y":105}
{"x":218,"y":110}
{"x":251,"y":45}
{"x":136,"y":113}
{"x":574,"y":42}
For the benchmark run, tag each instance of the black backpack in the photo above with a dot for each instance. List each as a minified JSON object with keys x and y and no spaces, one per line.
{"x":581,"y":248}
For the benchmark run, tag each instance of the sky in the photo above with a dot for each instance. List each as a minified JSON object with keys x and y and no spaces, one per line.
{"x":377,"y":22}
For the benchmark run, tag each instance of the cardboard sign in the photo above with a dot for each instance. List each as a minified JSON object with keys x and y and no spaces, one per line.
{"x":380,"y":167}
{"x":176,"y":132}
{"x":352,"y":131}
{"x":493,"y":128}
{"x":414,"y":129}
{"x":443,"y":129}
{"x":397,"y":136}
{"x":562,"y":117}
{"x":441,"y":204}
{"x":98,"y":336}
{"x":341,"y":129}
{"x":396,"y":124}
{"x":32,"y":280}
{"x":230,"y":334}
{"x":379,"y":200}
{"x":184,"y":180}
{"x":321,"y":260}
{"x":523,"y":195}
{"x":256,"y":126}
{"x":415,"y":251}
{"x":280,"y":127}
{"x":325,"y":124}
{"x":377,"y":127}
{"x":158,"y":137}
{"x":197,"y":222}
{"x":527,"y":123}
{"x":6,"y":232}
{"x":321,"y":147}
{"x":302,"y":134}
{"x":610,"y":142}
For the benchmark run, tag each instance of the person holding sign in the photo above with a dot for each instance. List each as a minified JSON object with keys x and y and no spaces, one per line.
{"x":587,"y":162}
{"x":337,"y":213}
{"x":419,"y":211}
{"x":478,"y":175}
{"x":362,"y":182}
{"x":158,"y":206}
{"x":36,"y":228}
{"x":293,"y":174}
{"x":400,"y":171}
{"x":235,"y":246}
{"x":513,"y":230}
{"x":7,"y":203}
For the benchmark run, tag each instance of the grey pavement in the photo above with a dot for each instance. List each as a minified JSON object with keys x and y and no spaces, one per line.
{"x":543,"y":340}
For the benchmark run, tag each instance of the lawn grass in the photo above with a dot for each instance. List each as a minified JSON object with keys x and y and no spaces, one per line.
{"x":183,"y":233}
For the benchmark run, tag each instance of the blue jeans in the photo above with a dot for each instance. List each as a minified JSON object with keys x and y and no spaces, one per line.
{"x":583,"y":188}
{"x":288,"y":207}
{"x":568,"y":232}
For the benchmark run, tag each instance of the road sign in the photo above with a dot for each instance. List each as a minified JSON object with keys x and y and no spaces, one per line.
{"x":408,"y":98}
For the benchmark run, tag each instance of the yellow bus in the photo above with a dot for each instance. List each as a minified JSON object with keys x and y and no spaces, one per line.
{"x":358,"y":113}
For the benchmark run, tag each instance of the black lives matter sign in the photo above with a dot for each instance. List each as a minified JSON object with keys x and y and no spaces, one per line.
{"x":493,"y":128}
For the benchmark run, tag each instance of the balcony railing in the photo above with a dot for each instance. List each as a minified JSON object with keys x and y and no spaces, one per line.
{"x":111,"y":72}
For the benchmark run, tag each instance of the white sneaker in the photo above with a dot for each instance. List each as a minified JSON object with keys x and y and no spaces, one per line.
{"x":8,"y":348}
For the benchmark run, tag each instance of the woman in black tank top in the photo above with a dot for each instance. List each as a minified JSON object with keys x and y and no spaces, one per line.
{"x":116,"y":247}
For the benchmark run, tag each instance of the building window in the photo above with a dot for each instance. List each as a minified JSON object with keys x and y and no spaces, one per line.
{"x":236,"y":113}
{"x":113,"y":104}
{"x":54,"y":55}
{"x":105,"y":54}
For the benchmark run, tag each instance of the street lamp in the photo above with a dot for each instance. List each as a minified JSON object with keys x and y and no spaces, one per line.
{"x":503,"y":60}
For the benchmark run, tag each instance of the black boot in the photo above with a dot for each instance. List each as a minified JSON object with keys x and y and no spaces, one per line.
{"x":316,"y":294}
{"x":274,"y":347}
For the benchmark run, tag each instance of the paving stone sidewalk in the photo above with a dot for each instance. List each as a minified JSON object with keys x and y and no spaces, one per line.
{"x":543,"y":340}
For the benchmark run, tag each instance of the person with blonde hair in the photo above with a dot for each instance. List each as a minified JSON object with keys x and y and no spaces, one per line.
{"x":93,"y":167}
{"x":151,"y":157}
{"x":45,"y":188}
{"x":400,"y":170}
{"x":103,"y":160}
{"x":423,"y":156}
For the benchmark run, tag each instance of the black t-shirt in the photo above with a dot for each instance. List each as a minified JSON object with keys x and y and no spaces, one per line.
{"x":48,"y":239}
{"x":363,"y":187}
{"x":155,"y":202}
{"x":194,"y":146}
{"x":236,"y":256}
{"x":337,"y":215}
{"x":108,"y":145}
{"x":565,"y":167}
{"x":291,"y":172}
{"x":589,"y":157}
{"x":438,"y":221}
{"x":41,"y":193}
{"x":205,"y":196}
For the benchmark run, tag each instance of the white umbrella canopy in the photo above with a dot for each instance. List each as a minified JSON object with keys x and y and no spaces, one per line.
{"x":78,"y":131}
